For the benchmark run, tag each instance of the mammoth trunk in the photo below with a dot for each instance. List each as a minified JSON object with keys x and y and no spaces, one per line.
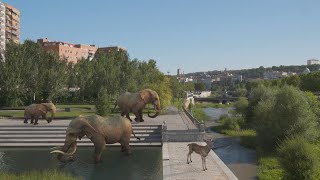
{"x":157,"y":108}
{"x":52,"y":115}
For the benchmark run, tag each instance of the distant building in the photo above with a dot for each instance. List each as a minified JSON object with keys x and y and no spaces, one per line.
{"x":9,"y":25}
{"x":178,"y":72}
{"x":72,"y":52}
{"x":313,"y":61}
{"x":113,"y":49}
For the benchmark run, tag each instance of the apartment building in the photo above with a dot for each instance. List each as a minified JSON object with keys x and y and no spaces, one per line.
{"x":72,"y":52}
{"x":313,"y":61}
{"x":9,"y":25}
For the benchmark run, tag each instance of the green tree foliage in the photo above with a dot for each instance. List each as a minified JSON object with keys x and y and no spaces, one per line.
{"x":283,"y":113}
{"x":240,"y":92}
{"x":241,"y":105}
{"x":310,"y":81}
{"x":176,"y":88}
{"x":199,"y":86}
{"x":28,"y":71}
{"x":102,"y":103}
{"x":188,"y":86}
{"x":299,"y":158}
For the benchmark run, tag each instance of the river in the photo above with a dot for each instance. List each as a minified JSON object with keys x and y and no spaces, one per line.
{"x":240,"y":160}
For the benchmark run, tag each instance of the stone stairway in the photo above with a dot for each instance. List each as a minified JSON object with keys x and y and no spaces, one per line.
{"x":49,"y":136}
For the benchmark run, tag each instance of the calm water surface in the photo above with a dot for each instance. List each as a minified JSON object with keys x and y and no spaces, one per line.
{"x":145,"y":163}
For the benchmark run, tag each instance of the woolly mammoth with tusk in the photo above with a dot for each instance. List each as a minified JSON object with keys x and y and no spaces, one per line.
{"x":100,"y":130}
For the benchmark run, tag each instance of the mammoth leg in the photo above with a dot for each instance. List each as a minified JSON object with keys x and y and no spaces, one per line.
{"x":137,"y":119}
{"x":140,"y":115}
{"x":36,"y":120}
{"x":128,"y":116}
{"x":125,"y":147}
{"x":99,"y":145}
{"x":25,"y":120}
{"x":32,"y":119}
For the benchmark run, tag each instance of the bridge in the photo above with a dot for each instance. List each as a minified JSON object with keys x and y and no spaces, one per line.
{"x":221,"y":100}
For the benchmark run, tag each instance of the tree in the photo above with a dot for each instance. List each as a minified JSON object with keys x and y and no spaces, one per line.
{"x":199,"y":86}
{"x":285,"y":113}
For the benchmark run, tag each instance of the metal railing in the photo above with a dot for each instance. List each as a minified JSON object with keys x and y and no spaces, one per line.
{"x":199,"y":124}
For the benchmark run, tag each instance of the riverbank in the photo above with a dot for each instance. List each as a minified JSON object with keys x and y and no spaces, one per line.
{"x":241,"y":161}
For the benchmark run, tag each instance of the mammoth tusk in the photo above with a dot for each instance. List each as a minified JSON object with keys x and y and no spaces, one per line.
{"x":64,"y":153}
{"x":56,"y":147}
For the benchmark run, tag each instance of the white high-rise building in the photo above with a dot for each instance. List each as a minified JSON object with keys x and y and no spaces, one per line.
{"x":2,"y":27}
{"x":313,"y":61}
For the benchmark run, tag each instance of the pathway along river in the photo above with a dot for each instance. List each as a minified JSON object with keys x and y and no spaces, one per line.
{"x":241,"y":161}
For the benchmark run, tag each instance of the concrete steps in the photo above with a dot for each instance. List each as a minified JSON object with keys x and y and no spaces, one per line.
{"x":48,"y":136}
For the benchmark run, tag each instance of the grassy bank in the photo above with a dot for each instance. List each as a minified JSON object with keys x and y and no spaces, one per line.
{"x":32,"y":175}
{"x":75,"y":111}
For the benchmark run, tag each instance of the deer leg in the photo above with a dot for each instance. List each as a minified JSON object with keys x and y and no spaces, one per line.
{"x":205,"y":163}
{"x":188,"y":157}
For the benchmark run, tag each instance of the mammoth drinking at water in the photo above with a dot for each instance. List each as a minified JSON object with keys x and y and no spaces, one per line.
{"x":100,"y":130}
{"x":135,"y":103}
{"x":34,"y":111}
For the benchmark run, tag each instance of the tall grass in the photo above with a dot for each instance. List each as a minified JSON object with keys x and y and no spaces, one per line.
{"x":39,"y":175}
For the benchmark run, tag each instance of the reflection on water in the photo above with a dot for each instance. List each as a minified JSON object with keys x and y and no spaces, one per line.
{"x":145,"y":163}
{"x":215,"y":113}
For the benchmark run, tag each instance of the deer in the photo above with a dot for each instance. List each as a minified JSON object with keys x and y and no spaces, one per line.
{"x":203,"y":151}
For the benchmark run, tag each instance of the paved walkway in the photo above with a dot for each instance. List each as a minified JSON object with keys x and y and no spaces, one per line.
{"x":175,"y":166}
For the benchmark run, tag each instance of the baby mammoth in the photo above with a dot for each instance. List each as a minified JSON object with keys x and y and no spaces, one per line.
{"x":100,"y":130}
{"x":34,"y":111}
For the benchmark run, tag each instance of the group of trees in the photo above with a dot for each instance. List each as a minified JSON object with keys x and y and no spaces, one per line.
{"x":28,"y":72}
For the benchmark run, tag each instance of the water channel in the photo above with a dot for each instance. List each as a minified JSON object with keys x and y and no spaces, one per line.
{"x":240,"y":160}
{"x":145,"y":163}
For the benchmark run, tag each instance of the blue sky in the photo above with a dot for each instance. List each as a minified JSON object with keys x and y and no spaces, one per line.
{"x":192,"y":35}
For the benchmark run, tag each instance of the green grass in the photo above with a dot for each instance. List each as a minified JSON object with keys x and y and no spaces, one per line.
{"x":78,"y":106}
{"x":177,"y":103}
{"x":270,"y":168}
{"x":198,"y":113}
{"x":35,"y":175}
{"x":76,"y":110}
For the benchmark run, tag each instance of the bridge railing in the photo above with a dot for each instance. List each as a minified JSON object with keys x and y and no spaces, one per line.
{"x":196,"y":122}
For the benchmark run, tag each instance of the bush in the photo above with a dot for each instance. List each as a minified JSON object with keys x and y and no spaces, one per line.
{"x":241,"y":105}
{"x":102,"y":103}
{"x":299,"y":158}
{"x":270,"y":168}
{"x":231,"y":123}
{"x":284,"y":113}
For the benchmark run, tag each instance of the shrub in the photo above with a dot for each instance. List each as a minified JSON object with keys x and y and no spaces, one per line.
{"x":102,"y":103}
{"x":231,"y":123}
{"x":284,"y":113}
{"x":299,"y":158}
{"x":241,"y":105}
{"x":270,"y":168}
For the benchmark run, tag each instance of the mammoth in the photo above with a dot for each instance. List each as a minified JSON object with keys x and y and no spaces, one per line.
{"x":135,"y":103}
{"x":100,"y":130}
{"x":34,"y":111}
